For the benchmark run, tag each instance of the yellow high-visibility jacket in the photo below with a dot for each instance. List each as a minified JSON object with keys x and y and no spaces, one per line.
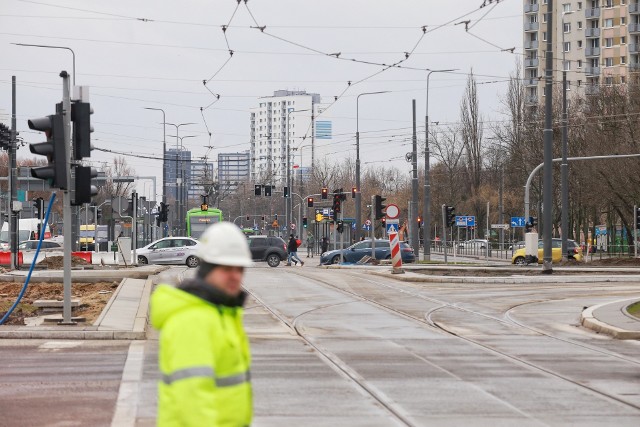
{"x":204,"y":357}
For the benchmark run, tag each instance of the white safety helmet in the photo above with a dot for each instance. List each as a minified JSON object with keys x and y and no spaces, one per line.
{"x":224,"y":244}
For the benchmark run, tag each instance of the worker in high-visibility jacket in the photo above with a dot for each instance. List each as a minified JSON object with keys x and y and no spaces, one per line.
{"x":204,"y":353}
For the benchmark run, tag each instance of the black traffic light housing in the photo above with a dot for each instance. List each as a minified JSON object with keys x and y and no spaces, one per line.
{"x":285,"y":192}
{"x":163,"y":214}
{"x":81,"y":118}
{"x":5,"y":137}
{"x":55,"y":150}
{"x":267,"y":190}
{"x":38,"y":204}
{"x":257,"y":190}
{"x":378,"y":206}
{"x":450,"y":216}
{"x":325,"y":193}
{"x":247,"y":217}
{"x":353,"y":192}
{"x":84,"y":190}
{"x":637,"y":218}
{"x":340,"y":227}
{"x":309,"y":202}
{"x":304,"y":222}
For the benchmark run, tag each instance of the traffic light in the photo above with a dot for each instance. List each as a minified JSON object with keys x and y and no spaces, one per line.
{"x":353,"y":192}
{"x":267,"y":190}
{"x":337,"y":202}
{"x":275,"y":217}
{"x":637,"y":218}
{"x":450,"y":216}
{"x":258,"y":190}
{"x":163,"y":214}
{"x":5,"y":137}
{"x":325,"y":193}
{"x":84,"y":191}
{"x":419,"y":221}
{"x":309,"y":202}
{"x":99,"y":214}
{"x":531,"y":223}
{"x":304,"y":221}
{"x":340,"y":227}
{"x":81,"y":118}
{"x":55,"y":150}
{"x":378,"y":206}
{"x":38,"y":204}
{"x":286,"y":192}
{"x":247,"y":217}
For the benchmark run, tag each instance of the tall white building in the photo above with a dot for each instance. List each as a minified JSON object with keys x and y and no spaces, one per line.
{"x":269,"y":131}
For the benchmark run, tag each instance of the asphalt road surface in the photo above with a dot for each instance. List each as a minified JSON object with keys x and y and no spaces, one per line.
{"x":342,"y":347}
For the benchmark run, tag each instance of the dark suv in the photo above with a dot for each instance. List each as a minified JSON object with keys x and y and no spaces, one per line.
{"x":269,"y":249}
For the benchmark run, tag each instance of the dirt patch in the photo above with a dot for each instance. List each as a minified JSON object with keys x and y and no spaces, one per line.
{"x":55,"y":262}
{"x":93,"y":297}
{"x":614,"y":262}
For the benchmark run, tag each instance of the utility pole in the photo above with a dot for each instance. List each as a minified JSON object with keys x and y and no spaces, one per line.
{"x":547,"y":192}
{"x":415,"y":226}
{"x":66,"y":209}
{"x":13,"y":184}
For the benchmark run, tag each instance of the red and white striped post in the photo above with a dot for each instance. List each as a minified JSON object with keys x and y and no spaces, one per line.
{"x":392,"y":214}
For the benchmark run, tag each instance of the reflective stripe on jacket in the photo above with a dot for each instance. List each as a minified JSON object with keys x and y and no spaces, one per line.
{"x":204,"y":361}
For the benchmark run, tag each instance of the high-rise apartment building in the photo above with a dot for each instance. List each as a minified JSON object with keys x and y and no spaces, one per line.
{"x":233,"y":168}
{"x":597,"y":42}
{"x":286,"y":113}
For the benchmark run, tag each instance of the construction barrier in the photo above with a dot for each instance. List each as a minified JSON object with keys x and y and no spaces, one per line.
{"x":5,"y":258}
{"x":87,"y":256}
{"x":396,"y":256}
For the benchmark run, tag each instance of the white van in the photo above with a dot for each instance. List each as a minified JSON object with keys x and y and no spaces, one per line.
{"x":27,"y":230}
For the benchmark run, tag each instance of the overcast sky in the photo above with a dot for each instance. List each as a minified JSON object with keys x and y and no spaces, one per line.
{"x":156,"y":53}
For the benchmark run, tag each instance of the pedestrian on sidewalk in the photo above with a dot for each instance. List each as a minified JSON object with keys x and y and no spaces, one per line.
{"x":292,"y":248}
{"x":310,"y":244}
{"x":204,"y":353}
{"x":324,"y":245}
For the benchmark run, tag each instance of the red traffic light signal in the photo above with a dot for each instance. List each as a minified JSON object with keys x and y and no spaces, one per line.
{"x":353,"y":192}
{"x":310,"y":202}
{"x":325,"y":193}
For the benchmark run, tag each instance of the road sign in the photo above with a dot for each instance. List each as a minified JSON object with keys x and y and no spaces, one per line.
{"x":366,"y":227}
{"x":393,"y":211}
{"x":601,"y":230}
{"x":503,"y":226}
{"x":465,"y":221}
{"x":367,"y":222}
{"x":393,"y":226}
{"x":518,"y":222}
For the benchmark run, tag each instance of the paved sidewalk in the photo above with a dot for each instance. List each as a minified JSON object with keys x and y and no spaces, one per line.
{"x":612,"y":319}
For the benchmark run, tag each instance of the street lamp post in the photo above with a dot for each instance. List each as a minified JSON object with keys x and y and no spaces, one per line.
{"x":564,"y":168}
{"x":358,"y":194}
{"x":164,"y":154}
{"x":287,"y":201}
{"x":426,"y":207}
{"x":177,"y":135}
{"x":54,"y":47}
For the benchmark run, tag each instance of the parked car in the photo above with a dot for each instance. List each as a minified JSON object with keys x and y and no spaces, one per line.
{"x":268,"y":248}
{"x":359,"y":250}
{"x":574,"y":252}
{"x":170,"y":250}
{"x":474,"y":244}
{"x":47,"y":246}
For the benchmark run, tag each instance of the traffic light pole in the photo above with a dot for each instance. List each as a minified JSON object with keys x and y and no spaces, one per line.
{"x":444,"y":231}
{"x":635,"y":231}
{"x":66,"y":209}
{"x":13,"y":215}
{"x":373,"y":227}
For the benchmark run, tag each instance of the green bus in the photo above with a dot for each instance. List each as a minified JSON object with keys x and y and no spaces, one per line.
{"x":198,"y":220}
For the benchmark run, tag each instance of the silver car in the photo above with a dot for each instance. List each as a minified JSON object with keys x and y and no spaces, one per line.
{"x":170,"y":250}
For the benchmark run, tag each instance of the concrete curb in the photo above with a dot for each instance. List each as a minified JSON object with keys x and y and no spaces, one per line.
{"x":420,"y":278}
{"x":588,"y":320}
{"x":87,"y":276}
{"x":108,"y":305}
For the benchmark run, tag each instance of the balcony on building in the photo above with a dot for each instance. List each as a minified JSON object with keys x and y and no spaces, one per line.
{"x":634,"y":48}
{"x":531,"y":8}
{"x":592,"y":33}
{"x":531,"y":82}
{"x":634,"y":28}
{"x":635,"y":66}
{"x":531,"y":44}
{"x":531,"y":100}
{"x":634,"y":8}
{"x":530,"y":26}
{"x":592,"y":51}
{"x":592,"y":71}
{"x":531,"y":63}
{"x":591,"y":89}
{"x":592,"y":13}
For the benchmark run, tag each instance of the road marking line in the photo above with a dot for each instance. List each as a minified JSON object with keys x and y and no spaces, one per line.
{"x":56,"y":345}
{"x":128,"y":395}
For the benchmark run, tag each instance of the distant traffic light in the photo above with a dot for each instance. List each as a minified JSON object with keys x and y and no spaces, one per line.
{"x":304,"y":222}
{"x":450,"y":216}
{"x":267,"y":190}
{"x":5,"y":137}
{"x":325,"y":193}
{"x":353,"y":192}
{"x":258,"y":190}
{"x":637,"y":216}
{"x":309,"y":202}
{"x":340,"y":227}
{"x":419,"y":221}
{"x":247,"y":217}
{"x":378,"y":206}
{"x":286,"y":192}
{"x":275,"y":217}
{"x":163,"y":214}
{"x":337,"y":204}
{"x":263,"y":217}
{"x":38,"y":204}
{"x":81,"y":118}
{"x":54,"y":148}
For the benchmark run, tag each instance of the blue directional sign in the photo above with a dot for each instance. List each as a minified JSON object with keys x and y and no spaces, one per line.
{"x":465,"y":221}
{"x":366,"y":227}
{"x":518,"y":221}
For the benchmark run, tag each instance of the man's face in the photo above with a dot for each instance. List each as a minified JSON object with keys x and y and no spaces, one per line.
{"x":226,"y":279}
